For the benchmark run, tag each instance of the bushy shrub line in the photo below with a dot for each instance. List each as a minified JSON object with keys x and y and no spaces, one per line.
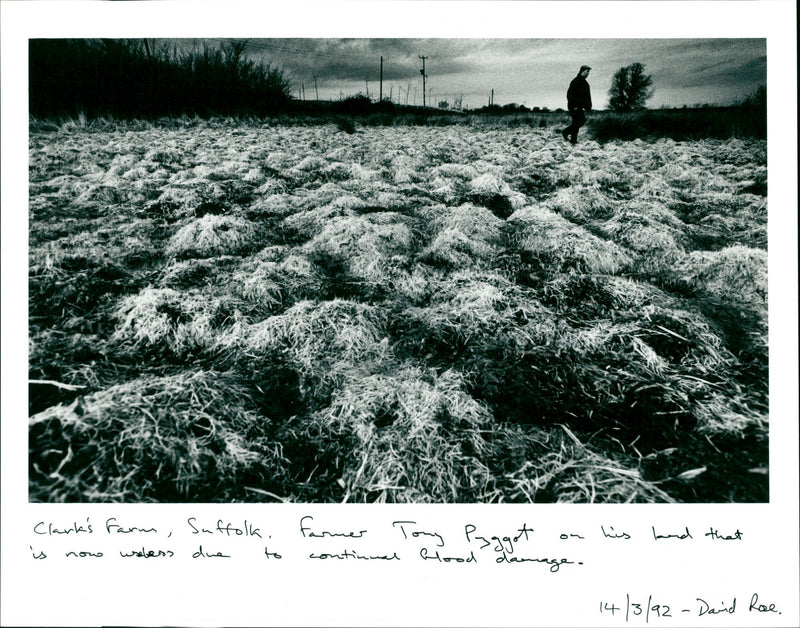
{"x":125,"y":78}
{"x":681,"y":124}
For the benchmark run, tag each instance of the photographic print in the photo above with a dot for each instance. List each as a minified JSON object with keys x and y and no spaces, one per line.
{"x":398,"y":270}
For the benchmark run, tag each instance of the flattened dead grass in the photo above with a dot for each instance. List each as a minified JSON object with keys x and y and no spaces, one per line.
{"x":163,"y":319}
{"x":652,"y":234}
{"x":197,"y":273}
{"x":582,"y":205}
{"x":191,"y":437}
{"x":310,"y":222}
{"x":384,"y":346}
{"x":418,"y":438}
{"x":325,"y":342}
{"x":463,"y":236}
{"x":213,"y":235}
{"x":475,"y":319}
{"x":275,"y":281}
{"x":563,"y":246}
{"x":368,"y":246}
{"x":736,"y":273}
{"x":573,"y":472}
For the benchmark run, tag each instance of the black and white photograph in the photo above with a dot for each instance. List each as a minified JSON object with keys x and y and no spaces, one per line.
{"x":398,"y":270}
{"x":399,"y":313}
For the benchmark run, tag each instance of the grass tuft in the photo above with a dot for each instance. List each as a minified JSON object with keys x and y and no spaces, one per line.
{"x":736,"y":273}
{"x":417,"y":438}
{"x":194,"y":437}
{"x":213,"y":235}
{"x":324,"y":342}
{"x":165,"y":320}
{"x":563,"y":246}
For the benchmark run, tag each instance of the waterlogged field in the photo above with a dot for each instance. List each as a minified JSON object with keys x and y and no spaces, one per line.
{"x":224,"y":311}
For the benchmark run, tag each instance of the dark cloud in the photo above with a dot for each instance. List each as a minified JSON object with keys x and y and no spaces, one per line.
{"x":531,"y":71}
{"x":359,"y":59}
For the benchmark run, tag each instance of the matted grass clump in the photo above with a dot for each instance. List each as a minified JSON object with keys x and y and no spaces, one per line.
{"x":464,"y":236}
{"x":417,"y":438}
{"x":650,"y":372}
{"x":324,"y":342}
{"x":271,"y":282}
{"x":582,"y":205}
{"x":570,"y":471}
{"x":311,"y":219}
{"x":165,"y":320}
{"x":651,"y":233}
{"x":213,"y":235}
{"x":562,"y":246}
{"x":581,"y":298}
{"x":194,"y":436}
{"x":474,"y":313}
{"x":367,"y":247}
{"x":736,"y":273}
{"x":493,"y":192}
{"x":731,"y":415}
{"x":471,"y":220}
{"x":197,"y":273}
{"x":75,"y":285}
{"x":719,"y":219}
{"x":453,"y":248}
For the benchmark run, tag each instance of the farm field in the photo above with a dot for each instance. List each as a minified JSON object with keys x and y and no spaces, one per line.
{"x":232,"y":311}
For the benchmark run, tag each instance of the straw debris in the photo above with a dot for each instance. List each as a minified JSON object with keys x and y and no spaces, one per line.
{"x":563,"y":246}
{"x":213,"y":235}
{"x":190,"y":437}
{"x":417,"y":438}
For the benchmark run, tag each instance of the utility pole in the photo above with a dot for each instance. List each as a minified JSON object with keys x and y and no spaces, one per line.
{"x":380,"y":89}
{"x":408,"y":89}
{"x":424,"y":76}
{"x":367,"y":84}
{"x":316,"y":91}
{"x":147,"y":48}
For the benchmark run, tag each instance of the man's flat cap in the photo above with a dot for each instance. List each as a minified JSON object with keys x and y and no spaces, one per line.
{"x":584,"y":67}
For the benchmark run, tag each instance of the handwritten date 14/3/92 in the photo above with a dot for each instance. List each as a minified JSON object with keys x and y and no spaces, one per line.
{"x":637,"y":610}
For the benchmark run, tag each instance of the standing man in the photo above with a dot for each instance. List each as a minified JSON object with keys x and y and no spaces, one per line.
{"x":579,"y":99}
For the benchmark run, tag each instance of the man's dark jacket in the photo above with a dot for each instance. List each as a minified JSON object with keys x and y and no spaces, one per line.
{"x":578,"y":94}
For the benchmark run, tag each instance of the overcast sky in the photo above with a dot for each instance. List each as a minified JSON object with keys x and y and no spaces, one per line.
{"x":533,"y":72}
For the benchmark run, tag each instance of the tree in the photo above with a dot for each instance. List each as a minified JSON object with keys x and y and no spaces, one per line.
{"x":630,"y":88}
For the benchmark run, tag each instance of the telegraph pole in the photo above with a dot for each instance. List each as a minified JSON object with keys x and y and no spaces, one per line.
{"x":316,"y":91}
{"x":380,"y":89}
{"x":424,"y":76}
